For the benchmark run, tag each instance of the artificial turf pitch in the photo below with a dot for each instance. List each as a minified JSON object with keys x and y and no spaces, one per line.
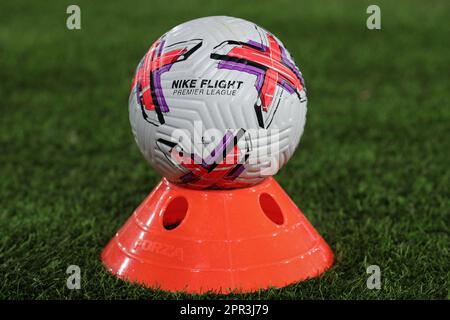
{"x":371,"y":173}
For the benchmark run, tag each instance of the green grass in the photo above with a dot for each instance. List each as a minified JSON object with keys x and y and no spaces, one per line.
{"x":371,"y":173}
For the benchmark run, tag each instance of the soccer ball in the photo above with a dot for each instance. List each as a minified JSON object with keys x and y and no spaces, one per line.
{"x":217,"y":103}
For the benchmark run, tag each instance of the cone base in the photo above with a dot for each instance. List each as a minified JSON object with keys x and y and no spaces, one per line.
{"x":196,"y":241}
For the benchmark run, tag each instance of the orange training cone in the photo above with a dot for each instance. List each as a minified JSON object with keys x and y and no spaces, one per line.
{"x":225,"y":240}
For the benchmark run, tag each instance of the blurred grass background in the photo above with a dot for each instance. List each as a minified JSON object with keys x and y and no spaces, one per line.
{"x":371,"y":173}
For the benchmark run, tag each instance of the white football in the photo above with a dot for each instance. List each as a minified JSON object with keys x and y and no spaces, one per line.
{"x":217,"y":103}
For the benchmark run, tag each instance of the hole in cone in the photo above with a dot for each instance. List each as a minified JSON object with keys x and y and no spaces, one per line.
{"x":175,"y":213}
{"x":271,"y":209}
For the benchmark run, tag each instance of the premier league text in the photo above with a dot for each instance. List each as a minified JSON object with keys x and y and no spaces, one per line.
{"x":208,"y":87}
